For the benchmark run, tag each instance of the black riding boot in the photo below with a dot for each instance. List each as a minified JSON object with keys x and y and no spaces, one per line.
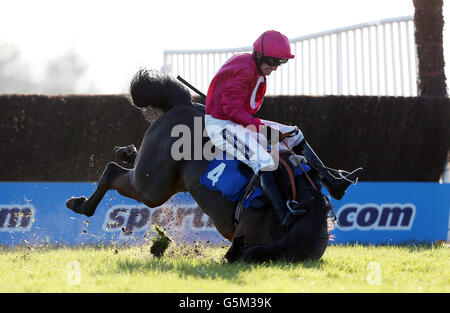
{"x":271,"y":191}
{"x":335,"y":186}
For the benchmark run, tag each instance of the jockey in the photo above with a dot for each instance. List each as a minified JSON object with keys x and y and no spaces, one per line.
{"x":235,"y":94}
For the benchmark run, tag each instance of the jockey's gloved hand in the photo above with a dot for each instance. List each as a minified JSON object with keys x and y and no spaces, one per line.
{"x":270,"y":133}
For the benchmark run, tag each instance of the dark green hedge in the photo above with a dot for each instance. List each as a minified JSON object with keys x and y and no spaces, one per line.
{"x":64,"y":138}
{"x":71,"y":138}
{"x":392,"y":138}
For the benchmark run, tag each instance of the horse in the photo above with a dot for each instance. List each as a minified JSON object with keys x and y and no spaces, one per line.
{"x":156,"y":176}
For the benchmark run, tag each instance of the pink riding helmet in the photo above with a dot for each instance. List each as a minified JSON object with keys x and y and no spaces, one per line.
{"x":273,"y":44}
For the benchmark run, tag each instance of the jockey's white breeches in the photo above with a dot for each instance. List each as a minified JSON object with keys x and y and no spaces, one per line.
{"x":247,"y":145}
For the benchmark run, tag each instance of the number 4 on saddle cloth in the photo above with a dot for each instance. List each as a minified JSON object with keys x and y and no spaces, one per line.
{"x":231,"y":178}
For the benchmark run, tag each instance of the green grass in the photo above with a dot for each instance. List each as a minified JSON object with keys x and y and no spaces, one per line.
{"x":352,"y":268}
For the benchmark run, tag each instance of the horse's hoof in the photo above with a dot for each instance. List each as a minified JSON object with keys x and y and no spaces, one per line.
{"x":126,"y":154}
{"x":76,"y":204}
{"x":246,"y":257}
{"x":234,"y":253}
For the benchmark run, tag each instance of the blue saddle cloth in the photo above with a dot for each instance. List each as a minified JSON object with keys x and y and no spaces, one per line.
{"x":231,"y":180}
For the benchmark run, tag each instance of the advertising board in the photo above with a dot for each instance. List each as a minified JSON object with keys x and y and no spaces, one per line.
{"x":370,"y":213}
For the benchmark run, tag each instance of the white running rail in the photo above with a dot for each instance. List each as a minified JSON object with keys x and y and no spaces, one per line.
{"x":376,"y":58}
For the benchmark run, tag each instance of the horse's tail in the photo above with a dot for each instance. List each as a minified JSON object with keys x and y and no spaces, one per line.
{"x":152,"y":89}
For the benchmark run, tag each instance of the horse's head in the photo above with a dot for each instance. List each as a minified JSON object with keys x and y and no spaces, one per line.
{"x":309,"y":235}
{"x":306,"y":239}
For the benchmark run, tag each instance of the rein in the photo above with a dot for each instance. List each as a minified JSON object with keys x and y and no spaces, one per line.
{"x":291,"y":178}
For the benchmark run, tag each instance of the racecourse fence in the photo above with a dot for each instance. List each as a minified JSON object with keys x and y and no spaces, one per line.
{"x":49,"y":138}
{"x":375,"y":58}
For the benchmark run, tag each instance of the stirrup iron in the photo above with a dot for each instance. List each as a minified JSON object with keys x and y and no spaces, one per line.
{"x":291,"y":204}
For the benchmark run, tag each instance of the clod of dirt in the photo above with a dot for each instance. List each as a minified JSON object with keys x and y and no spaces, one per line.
{"x":160,"y":242}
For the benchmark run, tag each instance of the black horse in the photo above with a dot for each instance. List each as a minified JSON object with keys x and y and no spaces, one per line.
{"x":157,"y":176}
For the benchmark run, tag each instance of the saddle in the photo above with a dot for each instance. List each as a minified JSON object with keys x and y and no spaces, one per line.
{"x":237,"y":182}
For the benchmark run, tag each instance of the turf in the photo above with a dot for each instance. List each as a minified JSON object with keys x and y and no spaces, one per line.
{"x":349,"y":268}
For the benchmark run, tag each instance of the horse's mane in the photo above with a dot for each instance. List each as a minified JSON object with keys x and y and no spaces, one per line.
{"x":149,"y":88}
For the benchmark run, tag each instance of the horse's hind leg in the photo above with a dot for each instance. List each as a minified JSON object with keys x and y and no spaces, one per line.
{"x":114,"y":177}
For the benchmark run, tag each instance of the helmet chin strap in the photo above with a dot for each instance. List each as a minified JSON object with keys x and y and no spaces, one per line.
{"x":258,"y":60}
{"x":260,"y":56}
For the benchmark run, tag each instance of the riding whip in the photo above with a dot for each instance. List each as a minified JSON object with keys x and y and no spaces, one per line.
{"x":201,"y":94}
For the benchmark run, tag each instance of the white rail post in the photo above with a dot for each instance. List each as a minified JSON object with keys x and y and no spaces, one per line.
{"x":339,"y":63}
{"x":383,"y":58}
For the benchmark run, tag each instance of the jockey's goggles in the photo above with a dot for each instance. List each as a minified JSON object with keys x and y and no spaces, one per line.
{"x":274,"y":61}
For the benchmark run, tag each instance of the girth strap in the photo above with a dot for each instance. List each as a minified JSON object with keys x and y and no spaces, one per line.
{"x":240,"y":205}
